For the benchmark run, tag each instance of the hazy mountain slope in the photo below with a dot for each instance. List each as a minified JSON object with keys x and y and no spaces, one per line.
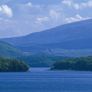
{"x":72,"y":31}
{"x":72,"y":36}
{"x":10,"y":51}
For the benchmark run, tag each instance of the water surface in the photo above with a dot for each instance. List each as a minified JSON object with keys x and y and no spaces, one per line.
{"x":41,"y":80}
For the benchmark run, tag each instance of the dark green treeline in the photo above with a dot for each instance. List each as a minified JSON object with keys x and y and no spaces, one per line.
{"x":80,"y":64}
{"x":12,"y":65}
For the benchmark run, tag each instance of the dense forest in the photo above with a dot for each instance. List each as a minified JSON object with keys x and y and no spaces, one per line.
{"x":41,"y":60}
{"x":12,"y":65}
{"x":79,"y":64}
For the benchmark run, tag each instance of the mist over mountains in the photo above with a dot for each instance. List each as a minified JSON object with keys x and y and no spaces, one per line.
{"x":72,"y":39}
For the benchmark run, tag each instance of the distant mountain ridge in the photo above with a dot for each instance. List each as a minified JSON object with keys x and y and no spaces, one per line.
{"x":76,"y":35}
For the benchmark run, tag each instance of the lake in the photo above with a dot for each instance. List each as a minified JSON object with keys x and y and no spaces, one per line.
{"x":41,"y":80}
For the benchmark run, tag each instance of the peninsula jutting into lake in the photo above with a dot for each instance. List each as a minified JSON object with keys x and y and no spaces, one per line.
{"x":12,"y":65}
{"x":79,"y":64}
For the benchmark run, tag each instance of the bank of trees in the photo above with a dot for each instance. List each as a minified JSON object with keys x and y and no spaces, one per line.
{"x":12,"y":65}
{"x":80,"y":64}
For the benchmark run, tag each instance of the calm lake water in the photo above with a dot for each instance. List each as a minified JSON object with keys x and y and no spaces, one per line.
{"x":40,"y":80}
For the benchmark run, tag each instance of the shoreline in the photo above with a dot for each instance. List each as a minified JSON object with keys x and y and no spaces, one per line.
{"x":67,"y":70}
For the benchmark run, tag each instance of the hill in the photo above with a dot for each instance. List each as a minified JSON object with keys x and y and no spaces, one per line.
{"x":12,"y":65}
{"x":7,"y":50}
{"x":41,"y":60}
{"x":79,"y":64}
{"x":37,"y":60}
{"x":72,"y":39}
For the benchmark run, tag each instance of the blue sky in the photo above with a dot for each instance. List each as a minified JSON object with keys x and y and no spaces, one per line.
{"x":22,"y":17}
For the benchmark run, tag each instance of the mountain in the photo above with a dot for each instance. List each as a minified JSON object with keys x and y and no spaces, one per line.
{"x":7,"y":50}
{"x":73,"y":39}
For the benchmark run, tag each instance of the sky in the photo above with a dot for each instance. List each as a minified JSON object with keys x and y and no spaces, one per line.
{"x":22,"y":17}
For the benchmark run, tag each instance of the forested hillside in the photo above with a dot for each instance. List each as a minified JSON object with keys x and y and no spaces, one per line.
{"x":41,"y":60}
{"x":37,"y":60}
{"x":12,"y":65}
{"x":7,"y":50}
{"x":79,"y":64}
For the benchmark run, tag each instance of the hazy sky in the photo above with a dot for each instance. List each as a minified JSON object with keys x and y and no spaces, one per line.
{"x":22,"y":17}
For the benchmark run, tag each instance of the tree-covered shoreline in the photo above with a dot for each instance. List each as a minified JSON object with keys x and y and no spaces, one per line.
{"x":77,"y":64}
{"x":12,"y":65}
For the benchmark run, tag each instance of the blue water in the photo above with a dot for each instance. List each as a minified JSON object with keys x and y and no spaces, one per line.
{"x":40,"y":80}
